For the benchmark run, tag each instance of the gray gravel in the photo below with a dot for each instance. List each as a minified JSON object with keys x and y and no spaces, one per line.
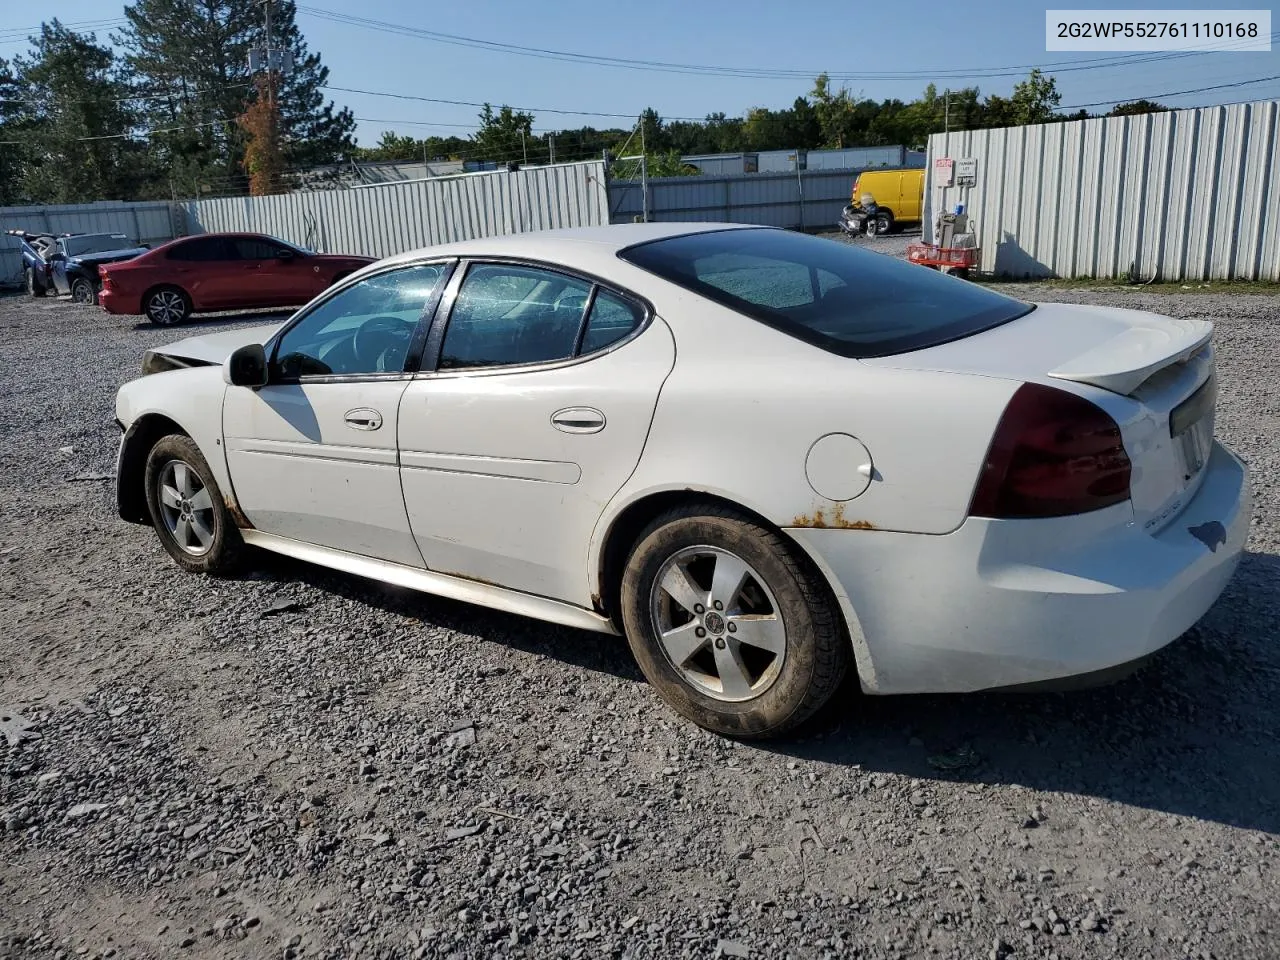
{"x":372,"y":773}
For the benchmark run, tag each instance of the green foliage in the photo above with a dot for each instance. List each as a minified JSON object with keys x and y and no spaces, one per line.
{"x":1135,"y":107}
{"x":181,"y":75}
{"x":198,"y":50}
{"x":72,"y":88}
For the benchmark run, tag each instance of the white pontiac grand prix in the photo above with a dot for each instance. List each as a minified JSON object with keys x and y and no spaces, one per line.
{"x":764,"y":457}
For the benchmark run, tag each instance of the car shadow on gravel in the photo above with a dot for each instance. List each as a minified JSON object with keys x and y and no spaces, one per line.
{"x":1192,"y":734}
{"x":579,"y":648}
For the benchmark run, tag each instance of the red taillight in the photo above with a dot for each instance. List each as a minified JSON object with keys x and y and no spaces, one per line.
{"x":1053,"y":454}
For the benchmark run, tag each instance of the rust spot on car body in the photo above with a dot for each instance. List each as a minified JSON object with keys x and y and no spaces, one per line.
{"x":237,"y":515}
{"x":819,"y":520}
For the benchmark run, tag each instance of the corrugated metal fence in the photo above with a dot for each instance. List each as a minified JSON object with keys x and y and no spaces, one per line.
{"x":382,"y":220}
{"x":1183,"y":195}
{"x":147,"y":222}
{"x":811,"y":200}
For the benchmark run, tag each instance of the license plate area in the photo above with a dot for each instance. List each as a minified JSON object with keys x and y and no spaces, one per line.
{"x":1191,"y":427}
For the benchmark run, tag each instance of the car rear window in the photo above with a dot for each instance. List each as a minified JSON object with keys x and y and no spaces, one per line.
{"x":829,"y":293}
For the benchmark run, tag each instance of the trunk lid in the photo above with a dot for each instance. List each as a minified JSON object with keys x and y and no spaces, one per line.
{"x":1153,"y":374}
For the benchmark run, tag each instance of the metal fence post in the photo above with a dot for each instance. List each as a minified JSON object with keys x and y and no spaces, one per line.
{"x":644,"y":186}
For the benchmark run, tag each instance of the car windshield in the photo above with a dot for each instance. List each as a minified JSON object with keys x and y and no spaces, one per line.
{"x":288,"y":243}
{"x":849,"y":301}
{"x":96,"y":243}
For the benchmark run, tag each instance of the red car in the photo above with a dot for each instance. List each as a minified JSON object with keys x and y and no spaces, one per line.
{"x":219,"y":271}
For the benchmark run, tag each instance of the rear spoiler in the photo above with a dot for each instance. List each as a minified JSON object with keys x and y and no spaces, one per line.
{"x":1126,"y":362}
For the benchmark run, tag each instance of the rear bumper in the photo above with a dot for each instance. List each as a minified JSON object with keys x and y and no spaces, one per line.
{"x":1006,"y":603}
{"x":114,"y":302}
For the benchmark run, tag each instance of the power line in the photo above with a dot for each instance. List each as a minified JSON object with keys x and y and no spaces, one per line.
{"x":755,"y":72}
{"x":22,"y":35}
{"x":1170,"y":93}
{"x":170,"y":95}
{"x":474,"y":103}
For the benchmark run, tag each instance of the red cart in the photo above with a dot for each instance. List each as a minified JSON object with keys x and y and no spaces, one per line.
{"x":957,"y":260}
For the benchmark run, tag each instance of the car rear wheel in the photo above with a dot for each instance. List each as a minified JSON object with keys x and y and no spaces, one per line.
{"x":34,"y":287}
{"x":187,"y":510}
{"x":730,"y":623}
{"x":82,"y":291}
{"x":167,"y":307}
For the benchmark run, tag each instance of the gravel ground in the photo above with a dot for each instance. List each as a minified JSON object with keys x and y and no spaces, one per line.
{"x":303,"y":764}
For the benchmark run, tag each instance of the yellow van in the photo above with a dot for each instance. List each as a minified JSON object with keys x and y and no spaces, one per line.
{"x":899,"y":195}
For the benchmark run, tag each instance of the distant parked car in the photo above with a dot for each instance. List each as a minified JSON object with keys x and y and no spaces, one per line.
{"x":74,"y":262}
{"x":35,"y":248}
{"x":220,"y":271}
{"x":68,"y":263}
{"x":899,"y":196}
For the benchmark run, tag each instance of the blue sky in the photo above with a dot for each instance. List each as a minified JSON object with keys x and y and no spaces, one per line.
{"x":850,"y":35}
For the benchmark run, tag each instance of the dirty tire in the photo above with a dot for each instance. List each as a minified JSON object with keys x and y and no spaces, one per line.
{"x":882,"y":224}
{"x":34,"y":287}
{"x":223,"y":553}
{"x":82,"y":291}
{"x":167,"y":306}
{"x":816,"y":647}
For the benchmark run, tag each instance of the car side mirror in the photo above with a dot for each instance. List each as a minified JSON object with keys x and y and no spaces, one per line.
{"x":284,"y":253}
{"x":247,"y":367}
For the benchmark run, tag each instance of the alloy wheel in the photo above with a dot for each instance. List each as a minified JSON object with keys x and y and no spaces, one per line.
{"x":718,"y":623}
{"x":166,"y":307}
{"x":186,"y":507}
{"x":82,"y":292}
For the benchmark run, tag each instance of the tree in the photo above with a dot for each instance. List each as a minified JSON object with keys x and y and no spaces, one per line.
{"x":1034,"y":99}
{"x":192,"y":58}
{"x":75,"y":122}
{"x":504,"y":136}
{"x":263,"y":160}
{"x":13,"y":108}
{"x":1134,"y":107}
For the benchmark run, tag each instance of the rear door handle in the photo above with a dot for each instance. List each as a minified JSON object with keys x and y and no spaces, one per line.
{"x":363,"y":418}
{"x":578,"y":420}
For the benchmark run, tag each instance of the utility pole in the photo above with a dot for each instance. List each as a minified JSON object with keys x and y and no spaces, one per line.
{"x":271,"y":80}
{"x":551,"y":147}
{"x":946,"y":112}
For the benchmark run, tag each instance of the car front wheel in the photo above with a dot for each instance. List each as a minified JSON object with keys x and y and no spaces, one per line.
{"x":167,"y":307}
{"x":730,"y":623}
{"x":187,"y":509}
{"x":82,"y":291}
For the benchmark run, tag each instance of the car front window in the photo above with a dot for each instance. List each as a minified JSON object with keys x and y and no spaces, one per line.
{"x":363,"y":329}
{"x":852,"y":302}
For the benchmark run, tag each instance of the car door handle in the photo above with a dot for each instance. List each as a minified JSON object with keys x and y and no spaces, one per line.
{"x":363,"y":418}
{"x":578,"y":420}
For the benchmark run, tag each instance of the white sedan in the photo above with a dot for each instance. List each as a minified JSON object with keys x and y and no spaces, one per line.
{"x":764,"y":457}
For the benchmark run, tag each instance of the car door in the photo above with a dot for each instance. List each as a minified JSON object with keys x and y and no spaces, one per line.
{"x":58,"y":268}
{"x":533,"y":412}
{"x":273,"y":273}
{"x":312,"y":455}
{"x":204,"y":268}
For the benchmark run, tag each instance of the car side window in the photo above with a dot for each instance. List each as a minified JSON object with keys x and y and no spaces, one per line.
{"x":199,"y":249}
{"x":254,"y":248}
{"x":365,"y":328}
{"x":611,"y":319}
{"x":508,"y":315}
